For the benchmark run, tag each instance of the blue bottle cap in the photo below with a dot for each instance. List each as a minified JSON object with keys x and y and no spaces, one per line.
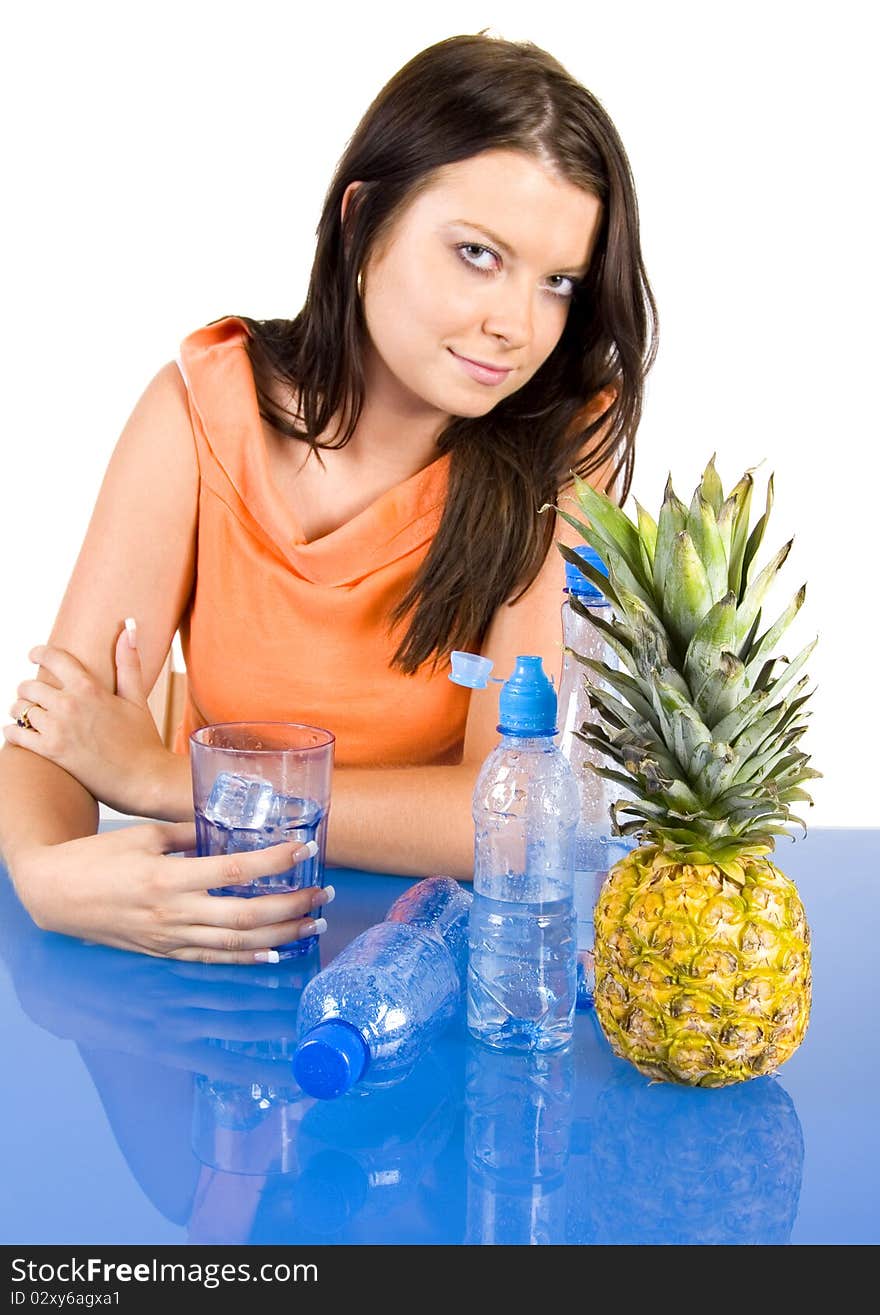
{"x":470,"y":669}
{"x":577,"y":583}
{"x":527,"y":704}
{"x":330,"y":1059}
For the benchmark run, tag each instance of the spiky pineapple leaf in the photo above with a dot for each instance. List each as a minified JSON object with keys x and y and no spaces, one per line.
{"x":745,"y":647}
{"x":724,"y":690}
{"x":687,"y":595}
{"x":713,"y":635}
{"x":755,"y":592}
{"x":647,"y":534}
{"x":618,"y":636}
{"x":614,"y":524}
{"x":792,"y":668}
{"x":750,"y":740}
{"x":757,"y":534}
{"x":733,"y":523}
{"x":623,"y":579}
{"x":632,"y":690}
{"x":771,"y":636}
{"x":651,"y":643}
{"x":742,"y":715}
{"x":671,"y":522}
{"x":710,"y":486}
{"x":614,"y":710}
{"x":703,"y":529}
{"x":795,"y":795}
{"x":713,"y":777}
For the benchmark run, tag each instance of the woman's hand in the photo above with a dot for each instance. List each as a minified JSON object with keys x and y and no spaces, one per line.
{"x":131,"y":889}
{"x":109,"y":742}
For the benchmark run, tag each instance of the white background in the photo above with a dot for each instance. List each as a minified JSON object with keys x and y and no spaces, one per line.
{"x":165,"y":165}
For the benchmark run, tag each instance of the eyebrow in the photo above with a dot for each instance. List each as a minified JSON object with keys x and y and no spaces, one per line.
{"x":578,"y":270}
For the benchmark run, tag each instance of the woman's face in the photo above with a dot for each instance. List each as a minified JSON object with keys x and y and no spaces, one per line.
{"x":443,"y":287}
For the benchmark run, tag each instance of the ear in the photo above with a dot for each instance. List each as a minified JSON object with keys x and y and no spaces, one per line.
{"x":347,"y":195}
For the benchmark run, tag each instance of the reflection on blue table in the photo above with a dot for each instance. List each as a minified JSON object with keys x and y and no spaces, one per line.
{"x":519,"y":1111}
{"x":192,"y":1067}
{"x":688,"y":1166}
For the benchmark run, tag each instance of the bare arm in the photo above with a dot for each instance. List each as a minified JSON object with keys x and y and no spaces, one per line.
{"x":120,"y":888}
{"x":40,"y":803}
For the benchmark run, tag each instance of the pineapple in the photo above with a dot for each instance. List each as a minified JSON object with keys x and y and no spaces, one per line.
{"x":702,"y":946}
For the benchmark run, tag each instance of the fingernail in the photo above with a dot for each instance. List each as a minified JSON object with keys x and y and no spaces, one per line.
{"x":311,"y":849}
{"x":319,"y":925}
{"x":267,"y":956}
{"x":329,"y":894}
{"x":131,"y":631}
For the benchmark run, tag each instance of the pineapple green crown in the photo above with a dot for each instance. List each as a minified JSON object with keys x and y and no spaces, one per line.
{"x":703,"y":723}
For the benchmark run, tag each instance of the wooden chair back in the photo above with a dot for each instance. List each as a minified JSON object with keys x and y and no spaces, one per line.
{"x":166,"y":700}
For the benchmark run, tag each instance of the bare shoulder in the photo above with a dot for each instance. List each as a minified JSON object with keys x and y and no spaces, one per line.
{"x":161,"y":413}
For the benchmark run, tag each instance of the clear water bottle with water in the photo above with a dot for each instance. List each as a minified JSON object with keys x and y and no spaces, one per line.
{"x":521,"y":938}
{"x":596,"y":848}
{"x":372,"y":1012}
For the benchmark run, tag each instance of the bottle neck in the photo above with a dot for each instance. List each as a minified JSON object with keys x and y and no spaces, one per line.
{"x":524,"y":740}
{"x":574,"y":624}
{"x":595,"y":602}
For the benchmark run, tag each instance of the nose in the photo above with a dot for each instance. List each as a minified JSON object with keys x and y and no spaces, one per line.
{"x":509,"y":313}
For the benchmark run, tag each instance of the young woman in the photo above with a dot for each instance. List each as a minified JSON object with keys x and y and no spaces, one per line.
{"x":326,"y":507}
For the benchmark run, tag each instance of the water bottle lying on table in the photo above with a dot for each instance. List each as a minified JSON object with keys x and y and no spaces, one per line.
{"x":381,"y":1002}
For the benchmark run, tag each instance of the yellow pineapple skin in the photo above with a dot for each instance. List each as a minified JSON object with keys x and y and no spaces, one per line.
{"x":701,"y":978}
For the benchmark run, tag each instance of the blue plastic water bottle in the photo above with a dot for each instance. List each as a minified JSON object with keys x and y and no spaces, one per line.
{"x":521,"y":939}
{"x":596,"y":847}
{"x":377,"y":1007}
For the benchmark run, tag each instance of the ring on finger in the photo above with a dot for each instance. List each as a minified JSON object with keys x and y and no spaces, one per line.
{"x":24,"y":720}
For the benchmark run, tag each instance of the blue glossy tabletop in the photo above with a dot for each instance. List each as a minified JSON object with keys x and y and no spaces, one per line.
{"x":144,"y":1101}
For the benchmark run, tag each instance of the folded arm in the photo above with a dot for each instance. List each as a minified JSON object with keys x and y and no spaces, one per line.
{"x":124,"y":888}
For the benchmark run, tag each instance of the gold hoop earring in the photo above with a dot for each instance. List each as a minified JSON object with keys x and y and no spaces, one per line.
{"x":360,"y":283}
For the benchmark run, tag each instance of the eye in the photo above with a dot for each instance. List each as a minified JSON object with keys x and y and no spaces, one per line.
{"x":573,"y":284}
{"x":480,"y":269}
{"x":474,"y":246}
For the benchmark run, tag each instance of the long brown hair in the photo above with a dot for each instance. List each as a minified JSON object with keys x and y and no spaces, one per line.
{"x":457,"y":98}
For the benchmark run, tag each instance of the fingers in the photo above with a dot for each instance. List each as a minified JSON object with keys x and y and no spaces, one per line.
{"x":22,"y":736}
{"x":39,"y":720}
{"x":220,"y":945}
{"x":61,"y":664}
{"x":129,"y":677}
{"x":243,"y":913}
{"x":36,"y":691}
{"x":237,"y":869}
{"x":243,"y":930}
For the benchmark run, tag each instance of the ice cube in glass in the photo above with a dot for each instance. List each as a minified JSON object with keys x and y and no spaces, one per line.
{"x":240,"y":803}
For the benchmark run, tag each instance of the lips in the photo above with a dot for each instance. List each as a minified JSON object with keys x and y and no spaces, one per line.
{"x":489,"y":376}
{"x":485,"y":365}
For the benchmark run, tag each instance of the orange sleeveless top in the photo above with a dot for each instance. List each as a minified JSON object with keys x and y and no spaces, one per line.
{"x":278,"y":629}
